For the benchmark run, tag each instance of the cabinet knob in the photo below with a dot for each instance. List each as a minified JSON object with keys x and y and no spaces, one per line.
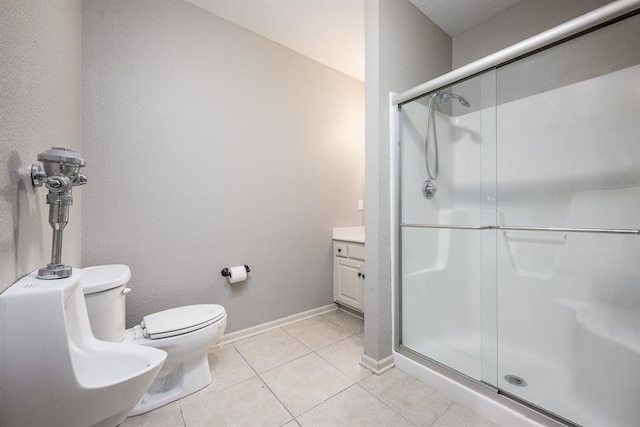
{"x":339,"y":250}
{"x":363,"y":276}
{"x":360,"y":274}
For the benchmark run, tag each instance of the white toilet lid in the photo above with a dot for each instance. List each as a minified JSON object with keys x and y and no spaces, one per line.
{"x":180,"y":320}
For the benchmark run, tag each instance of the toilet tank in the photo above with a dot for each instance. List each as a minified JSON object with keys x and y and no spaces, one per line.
{"x":105,"y":291}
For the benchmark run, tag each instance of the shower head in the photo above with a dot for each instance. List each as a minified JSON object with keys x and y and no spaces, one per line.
{"x":445,"y":97}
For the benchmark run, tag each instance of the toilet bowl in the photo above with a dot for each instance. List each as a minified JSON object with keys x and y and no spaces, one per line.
{"x":185,"y":333}
{"x":53,"y":371}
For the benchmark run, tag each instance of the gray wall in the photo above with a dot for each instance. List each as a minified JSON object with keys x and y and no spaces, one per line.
{"x":515,"y":24}
{"x":39,"y":108}
{"x":403,"y":49}
{"x":210,"y":146}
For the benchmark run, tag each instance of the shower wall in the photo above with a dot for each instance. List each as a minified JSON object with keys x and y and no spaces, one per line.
{"x":211,"y":146}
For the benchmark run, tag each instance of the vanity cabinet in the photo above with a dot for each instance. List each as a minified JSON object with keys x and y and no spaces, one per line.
{"x":348,"y":274}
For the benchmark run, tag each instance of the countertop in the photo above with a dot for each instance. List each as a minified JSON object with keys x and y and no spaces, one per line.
{"x":349,"y":234}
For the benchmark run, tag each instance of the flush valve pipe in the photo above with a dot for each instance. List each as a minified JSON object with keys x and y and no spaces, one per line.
{"x":59,"y":172}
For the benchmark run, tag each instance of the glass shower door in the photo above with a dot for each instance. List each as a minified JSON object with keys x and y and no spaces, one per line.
{"x":520,"y":228}
{"x":568,"y":159}
{"x":447,"y":197}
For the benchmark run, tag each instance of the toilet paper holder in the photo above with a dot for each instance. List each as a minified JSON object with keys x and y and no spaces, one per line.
{"x":227,"y":273}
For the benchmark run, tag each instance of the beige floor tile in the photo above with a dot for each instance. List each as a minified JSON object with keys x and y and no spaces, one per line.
{"x":345,"y":355}
{"x":316,"y":332}
{"x":416,"y":401}
{"x":353,"y":407}
{"x":345,"y":320}
{"x":305,"y":382}
{"x":270,"y":349}
{"x":461,"y":416}
{"x":165,"y":416}
{"x":227,"y":368}
{"x":249,"y":403}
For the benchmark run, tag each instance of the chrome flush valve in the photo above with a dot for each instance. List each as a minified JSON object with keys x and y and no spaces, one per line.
{"x":59,"y":172}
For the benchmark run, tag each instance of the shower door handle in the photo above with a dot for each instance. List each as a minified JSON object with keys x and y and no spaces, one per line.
{"x":449,"y":227}
{"x":571,"y":229}
{"x":628,"y":231}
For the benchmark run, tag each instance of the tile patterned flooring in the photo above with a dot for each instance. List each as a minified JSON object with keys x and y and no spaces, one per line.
{"x":307,"y":374}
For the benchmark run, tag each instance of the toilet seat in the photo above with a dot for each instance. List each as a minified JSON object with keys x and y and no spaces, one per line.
{"x":180,"y":320}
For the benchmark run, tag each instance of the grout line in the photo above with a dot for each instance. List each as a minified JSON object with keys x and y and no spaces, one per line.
{"x":193,"y":401}
{"x":443,"y":414}
{"x":386,"y":404}
{"x":327,"y":345}
{"x":246,"y":361}
{"x":277,"y":398}
{"x":338,"y":368}
{"x":297,"y":339}
{"x":282,"y":364}
{"x":311,"y":350}
{"x":271,"y":369}
{"x":207,"y":393}
{"x":184,"y":422}
{"x":342,"y":327}
{"x":327,"y":399}
{"x":315,"y":352}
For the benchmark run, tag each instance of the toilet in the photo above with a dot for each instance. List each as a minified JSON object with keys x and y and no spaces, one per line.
{"x":185,"y":333}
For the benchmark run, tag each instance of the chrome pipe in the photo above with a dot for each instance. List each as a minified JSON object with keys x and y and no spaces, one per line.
{"x":56,"y":247}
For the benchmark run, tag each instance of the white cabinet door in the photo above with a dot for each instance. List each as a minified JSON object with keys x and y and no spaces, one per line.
{"x":348,"y":282}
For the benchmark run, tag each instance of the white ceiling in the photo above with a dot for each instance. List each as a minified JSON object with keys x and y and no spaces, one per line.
{"x":329,"y":31}
{"x":332,"y":31}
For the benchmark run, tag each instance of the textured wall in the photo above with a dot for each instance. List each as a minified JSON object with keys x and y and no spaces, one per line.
{"x":210,"y":146}
{"x":403,"y":49}
{"x":515,"y":24}
{"x":39,"y":108}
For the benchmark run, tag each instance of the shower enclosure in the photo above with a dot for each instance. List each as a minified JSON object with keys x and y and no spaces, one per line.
{"x":520,"y":269}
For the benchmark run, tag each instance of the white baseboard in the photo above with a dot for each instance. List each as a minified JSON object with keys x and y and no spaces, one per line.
{"x":254,"y":330}
{"x":377,"y":366}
